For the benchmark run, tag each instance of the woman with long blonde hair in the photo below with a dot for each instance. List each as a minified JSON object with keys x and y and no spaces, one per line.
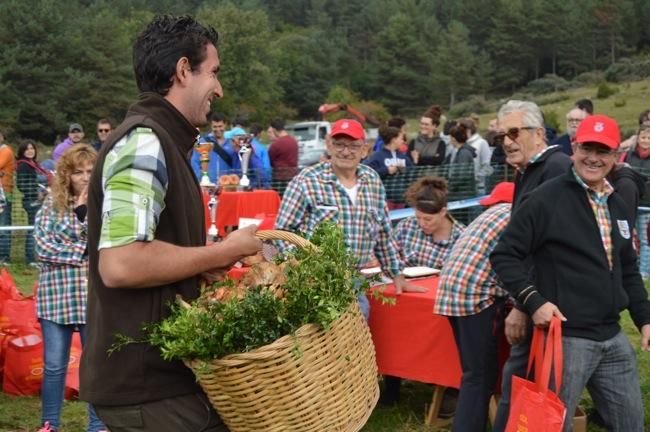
{"x":61,"y":241}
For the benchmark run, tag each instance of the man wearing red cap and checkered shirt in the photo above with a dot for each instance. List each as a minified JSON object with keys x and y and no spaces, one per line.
{"x":352,"y":195}
{"x":578,"y":233}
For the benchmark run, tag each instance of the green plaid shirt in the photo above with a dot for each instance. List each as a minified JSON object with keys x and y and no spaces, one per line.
{"x":315,"y":195}
{"x":62,"y":280}
{"x":420,"y":249}
{"x":134,"y":180}
{"x":598,"y":202}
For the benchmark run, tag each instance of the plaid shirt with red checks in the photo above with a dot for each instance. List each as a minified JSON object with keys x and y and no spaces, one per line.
{"x":468,"y":284}
{"x":315,"y":195}
{"x":420,"y":249}
{"x":598,"y":202}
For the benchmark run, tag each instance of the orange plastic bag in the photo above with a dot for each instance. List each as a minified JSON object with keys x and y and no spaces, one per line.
{"x":23,"y":372}
{"x":533,"y":407}
{"x":72,"y":376}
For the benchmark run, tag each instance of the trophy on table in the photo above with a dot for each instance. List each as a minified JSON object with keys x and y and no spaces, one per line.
{"x":208,"y":187}
{"x":204,"y":149}
{"x":213,"y":232}
{"x":245,"y":153}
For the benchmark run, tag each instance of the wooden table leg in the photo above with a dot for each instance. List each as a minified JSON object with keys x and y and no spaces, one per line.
{"x":431,"y":415}
{"x":492,"y":409}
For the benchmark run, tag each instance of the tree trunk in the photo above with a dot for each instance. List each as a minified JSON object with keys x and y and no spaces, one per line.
{"x":554,"y":63}
{"x":452,"y":97}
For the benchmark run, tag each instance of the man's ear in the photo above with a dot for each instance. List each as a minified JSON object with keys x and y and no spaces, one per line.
{"x":183,"y":69}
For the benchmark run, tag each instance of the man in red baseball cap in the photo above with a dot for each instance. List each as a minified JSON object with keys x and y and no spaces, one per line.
{"x":577,"y":233}
{"x":597,"y":142}
{"x":344,"y":191}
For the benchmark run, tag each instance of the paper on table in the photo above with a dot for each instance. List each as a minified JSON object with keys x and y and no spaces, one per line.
{"x":244,"y":222}
{"x":370,"y":271}
{"x":420,"y":271}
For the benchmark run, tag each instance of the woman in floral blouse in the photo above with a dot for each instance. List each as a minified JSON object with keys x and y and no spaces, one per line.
{"x":60,"y":232}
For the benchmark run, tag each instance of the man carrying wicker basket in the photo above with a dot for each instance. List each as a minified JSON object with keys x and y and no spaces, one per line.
{"x":146,"y":238}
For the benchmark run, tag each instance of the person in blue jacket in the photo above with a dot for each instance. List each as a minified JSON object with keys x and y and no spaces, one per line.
{"x":220,"y":161}
{"x":397,"y":122}
{"x":259,"y":167}
{"x":389,"y":160}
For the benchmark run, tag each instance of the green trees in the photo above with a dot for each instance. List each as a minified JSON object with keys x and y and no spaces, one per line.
{"x":71,"y":61}
{"x":57,"y":67}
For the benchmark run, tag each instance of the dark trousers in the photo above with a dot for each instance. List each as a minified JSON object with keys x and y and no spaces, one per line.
{"x":187,"y":413}
{"x":477,"y":340}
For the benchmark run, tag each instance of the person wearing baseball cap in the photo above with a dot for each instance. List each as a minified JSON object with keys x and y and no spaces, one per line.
{"x":577,"y":234}
{"x":474,"y":301}
{"x":75,"y":135}
{"x":344,"y":191}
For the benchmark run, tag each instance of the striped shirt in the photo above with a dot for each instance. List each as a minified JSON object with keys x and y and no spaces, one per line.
{"x":315,"y":195}
{"x":62,"y":282}
{"x":420,"y":249}
{"x":134,"y":180}
{"x":598,"y":202}
{"x":468,"y":284}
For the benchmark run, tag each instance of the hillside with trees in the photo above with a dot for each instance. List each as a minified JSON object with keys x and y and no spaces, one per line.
{"x":71,"y":61}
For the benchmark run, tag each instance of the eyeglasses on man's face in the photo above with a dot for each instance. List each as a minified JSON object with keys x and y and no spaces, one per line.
{"x":512,"y":133}
{"x":103,"y":130}
{"x":353,"y":147}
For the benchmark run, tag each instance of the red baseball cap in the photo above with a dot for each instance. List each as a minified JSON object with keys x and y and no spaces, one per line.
{"x":348,"y":127}
{"x":599,"y":129}
{"x":503,"y":192}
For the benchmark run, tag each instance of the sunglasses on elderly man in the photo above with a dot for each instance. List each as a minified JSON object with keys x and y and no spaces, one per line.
{"x":512,"y":133}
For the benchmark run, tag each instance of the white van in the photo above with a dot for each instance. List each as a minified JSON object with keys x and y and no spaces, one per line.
{"x":311,"y":140}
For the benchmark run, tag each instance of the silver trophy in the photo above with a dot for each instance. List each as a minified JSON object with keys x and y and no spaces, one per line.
{"x":244,"y":154}
{"x":213,"y":232}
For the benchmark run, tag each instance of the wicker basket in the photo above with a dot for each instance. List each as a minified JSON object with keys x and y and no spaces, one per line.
{"x":315,"y":380}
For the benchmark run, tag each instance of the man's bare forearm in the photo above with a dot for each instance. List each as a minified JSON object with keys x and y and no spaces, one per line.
{"x":155,"y":263}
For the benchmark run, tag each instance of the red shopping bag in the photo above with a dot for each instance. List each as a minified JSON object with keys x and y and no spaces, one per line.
{"x":8,"y":290}
{"x":6,"y":335}
{"x":72,"y":376}
{"x":18,"y":313}
{"x":533,"y":407}
{"x":23,"y":371}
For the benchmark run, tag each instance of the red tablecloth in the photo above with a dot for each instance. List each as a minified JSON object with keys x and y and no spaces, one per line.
{"x":411,"y":341}
{"x":235,"y":205}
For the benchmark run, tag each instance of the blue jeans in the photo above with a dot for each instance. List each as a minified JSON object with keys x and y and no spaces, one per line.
{"x":5,"y":236}
{"x":609,"y":371}
{"x":364,"y":305}
{"x":57,"y":339}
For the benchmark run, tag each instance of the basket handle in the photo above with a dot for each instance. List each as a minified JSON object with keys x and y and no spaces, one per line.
{"x":284,"y":235}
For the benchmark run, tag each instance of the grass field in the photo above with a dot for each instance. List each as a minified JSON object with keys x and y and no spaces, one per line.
{"x":22,"y":414}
